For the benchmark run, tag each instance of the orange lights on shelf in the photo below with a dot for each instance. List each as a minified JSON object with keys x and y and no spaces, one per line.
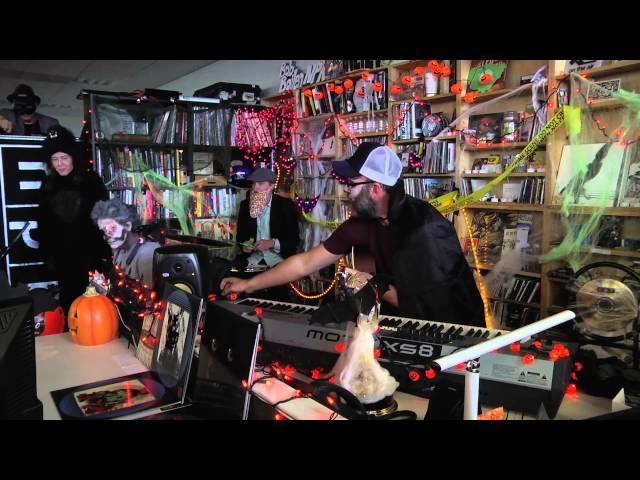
{"x":414,"y":375}
{"x":258,"y":311}
{"x":571,"y":389}
{"x":515,"y":347}
{"x":430,"y":374}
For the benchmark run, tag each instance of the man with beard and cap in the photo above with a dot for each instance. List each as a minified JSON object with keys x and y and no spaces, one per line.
{"x":420,"y":270}
{"x":132,"y":251}
{"x":272,"y":222}
{"x":71,"y":244}
{"x":23,"y":119}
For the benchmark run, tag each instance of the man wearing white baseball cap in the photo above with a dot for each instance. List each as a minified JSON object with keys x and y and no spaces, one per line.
{"x":420,"y":270}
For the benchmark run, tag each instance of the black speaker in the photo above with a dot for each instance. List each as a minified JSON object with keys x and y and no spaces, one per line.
{"x":184,"y":266}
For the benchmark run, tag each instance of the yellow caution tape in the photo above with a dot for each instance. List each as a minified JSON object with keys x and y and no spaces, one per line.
{"x":526,"y":152}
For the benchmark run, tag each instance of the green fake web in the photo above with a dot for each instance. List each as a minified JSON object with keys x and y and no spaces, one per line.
{"x":595,"y":172}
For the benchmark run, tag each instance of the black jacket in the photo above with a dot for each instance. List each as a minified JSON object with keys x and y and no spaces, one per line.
{"x":283,"y":224}
{"x":18,"y":125}
{"x":432,"y":276}
{"x":65,"y":230}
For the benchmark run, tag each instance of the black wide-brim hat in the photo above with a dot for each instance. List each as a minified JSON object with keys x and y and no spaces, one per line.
{"x":25,"y":92}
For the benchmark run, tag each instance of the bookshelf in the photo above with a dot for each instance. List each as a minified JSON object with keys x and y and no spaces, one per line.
{"x":543,"y":215}
{"x":134,"y":141}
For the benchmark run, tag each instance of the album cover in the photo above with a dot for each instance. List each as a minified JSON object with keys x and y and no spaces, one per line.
{"x":486,"y":75}
{"x":487,"y":127}
{"x":597,"y":183}
{"x":113,"y":398}
{"x":630,"y":184}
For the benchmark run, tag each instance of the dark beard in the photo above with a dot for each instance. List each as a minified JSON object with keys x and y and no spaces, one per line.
{"x":364,"y":206}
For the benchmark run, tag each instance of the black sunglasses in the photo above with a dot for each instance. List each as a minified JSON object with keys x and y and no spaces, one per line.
{"x":351,"y":184}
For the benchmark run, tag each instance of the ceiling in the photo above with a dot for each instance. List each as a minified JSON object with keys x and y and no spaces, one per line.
{"x":58,"y":82}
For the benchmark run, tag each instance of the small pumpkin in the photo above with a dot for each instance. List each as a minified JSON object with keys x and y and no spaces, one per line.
{"x":93,"y":319}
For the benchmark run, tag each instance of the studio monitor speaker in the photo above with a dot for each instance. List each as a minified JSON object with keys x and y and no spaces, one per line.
{"x":184,"y":266}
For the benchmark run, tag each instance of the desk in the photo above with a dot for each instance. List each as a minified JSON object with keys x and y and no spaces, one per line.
{"x":579,"y":406}
{"x":61,"y":363}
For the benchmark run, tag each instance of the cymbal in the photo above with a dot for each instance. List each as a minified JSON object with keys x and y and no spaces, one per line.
{"x":201,"y":240}
{"x":606,"y":306}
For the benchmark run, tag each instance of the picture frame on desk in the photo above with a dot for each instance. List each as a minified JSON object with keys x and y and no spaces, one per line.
{"x":170,"y":338}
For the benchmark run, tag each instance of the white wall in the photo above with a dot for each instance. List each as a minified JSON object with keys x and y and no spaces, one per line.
{"x":265,"y":73}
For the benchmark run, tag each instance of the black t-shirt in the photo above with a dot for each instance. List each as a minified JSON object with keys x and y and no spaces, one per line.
{"x":32,"y":128}
{"x":368,"y":236}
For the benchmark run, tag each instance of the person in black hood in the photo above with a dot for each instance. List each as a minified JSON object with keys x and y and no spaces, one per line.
{"x":420,"y":270}
{"x":70,"y":241}
{"x":23,"y":119}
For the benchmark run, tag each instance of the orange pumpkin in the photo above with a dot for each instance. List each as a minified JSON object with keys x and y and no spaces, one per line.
{"x":93,"y":319}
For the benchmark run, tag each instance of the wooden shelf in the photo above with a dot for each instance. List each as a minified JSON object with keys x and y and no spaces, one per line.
{"x":347,"y":116}
{"x":607,"y":104}
{"x":494,"y":175}
{"x":513,"y":302}
{"x":585,"y":210}
{"x":521,"y":207}
{"x":427,"y":175}
{"x":108,"y":143}
{"x":444,"y":97}
{"x":616,"y":252}
{"x":623,"y":66}
{"x":497,"y":93}
{"x":322,"y":116}
{"x":496,"y":146}
{"x":486,"y":266}
{"x":366,"y":135}
{"x":406,"y":141}
{"x":423,"y":139}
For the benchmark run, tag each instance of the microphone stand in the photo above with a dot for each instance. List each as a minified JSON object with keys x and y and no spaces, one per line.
{"x":470,"y":356}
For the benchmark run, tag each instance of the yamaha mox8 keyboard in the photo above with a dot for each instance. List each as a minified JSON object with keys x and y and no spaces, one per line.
{"x":406,"y":348}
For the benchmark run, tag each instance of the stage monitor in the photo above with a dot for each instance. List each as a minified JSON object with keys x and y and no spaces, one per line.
{"x":18,"y":389}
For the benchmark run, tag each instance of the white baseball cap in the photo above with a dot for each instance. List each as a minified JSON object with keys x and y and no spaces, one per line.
{"x":372,"y":160}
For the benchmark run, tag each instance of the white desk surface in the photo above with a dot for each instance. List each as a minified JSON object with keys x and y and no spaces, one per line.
{"x":61,"y":364}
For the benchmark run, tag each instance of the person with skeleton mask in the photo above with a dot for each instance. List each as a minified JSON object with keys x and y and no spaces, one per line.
{"x":132,"y":251}
{"x":23,"y":119}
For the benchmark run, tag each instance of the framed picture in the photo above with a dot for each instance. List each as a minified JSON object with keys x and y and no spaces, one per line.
{"x":603,"y":89}
{"x":487,"y":75}
{"x":487,"y":127}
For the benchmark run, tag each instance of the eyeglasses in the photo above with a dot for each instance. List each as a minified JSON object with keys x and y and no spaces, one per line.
{"x":351,"y":184}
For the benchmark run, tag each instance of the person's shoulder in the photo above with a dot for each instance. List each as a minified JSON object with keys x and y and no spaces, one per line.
{"x":8,"y":114}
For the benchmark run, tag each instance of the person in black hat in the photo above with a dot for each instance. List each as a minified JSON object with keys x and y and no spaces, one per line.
{"x":69,"y":240}
{"x":23,"y":119}
{"x":420,"y":270}
{"x":271,"y":221}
